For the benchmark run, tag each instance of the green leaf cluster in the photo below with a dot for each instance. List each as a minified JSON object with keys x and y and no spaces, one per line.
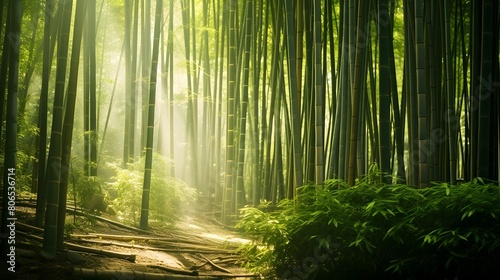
{"x":374,"y":229}
{"x":168,"y":196}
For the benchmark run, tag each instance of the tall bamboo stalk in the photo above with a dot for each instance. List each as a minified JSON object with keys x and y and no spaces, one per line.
{"x":69,"y":114}
{"x":151,"y":116}
{"x":9,"y":168}
{"x":55,"y":151}
{"x":228,"y":194}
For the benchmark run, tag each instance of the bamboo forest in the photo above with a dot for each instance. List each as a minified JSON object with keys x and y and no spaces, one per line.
{"x":250,"y":139}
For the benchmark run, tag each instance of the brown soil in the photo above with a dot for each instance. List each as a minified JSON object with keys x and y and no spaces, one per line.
{"x":195,"y":246}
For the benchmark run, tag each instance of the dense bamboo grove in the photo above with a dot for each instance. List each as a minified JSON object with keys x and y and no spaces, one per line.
{"x":248,"y":99}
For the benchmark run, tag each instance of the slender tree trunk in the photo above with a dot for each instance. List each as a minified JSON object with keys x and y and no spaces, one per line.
{"x":9,"y":168}
{"x":92,"y":87}
{"x":384,"y":87}
{"x":423,"y":133}
{"x":410,"y":94}
{"x":134,"y":87}
{"x":294,"y":100}
{"x":42,"y":116}
{"x":240,"y":186}
{"x":170,"y":54}
{"x":228,"y":194}
{"x":151,"y":116}
{"x":361,"y":44}
{"x":69,"y":114}
{"x":145,"y":65}
{"x":486,"y":90}
{"x":4,"y":68}
{"x":319,"y":115}
{"x":54,"y":161}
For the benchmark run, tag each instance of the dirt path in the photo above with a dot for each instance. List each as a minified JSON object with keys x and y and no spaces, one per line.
{"x":194,"y":249}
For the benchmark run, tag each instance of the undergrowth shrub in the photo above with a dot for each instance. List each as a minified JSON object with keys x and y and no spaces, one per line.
{"x":168,"y":196}
{"x":373,"y":229}
{"x":83,"y":188}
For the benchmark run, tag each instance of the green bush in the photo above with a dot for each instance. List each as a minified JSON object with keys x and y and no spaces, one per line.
{"x":378,"y":230}
{"x":168,"y":195}
{"x":82,"y":188}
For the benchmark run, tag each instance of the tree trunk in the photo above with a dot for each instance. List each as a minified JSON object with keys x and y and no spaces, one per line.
{"x":151,"y":116}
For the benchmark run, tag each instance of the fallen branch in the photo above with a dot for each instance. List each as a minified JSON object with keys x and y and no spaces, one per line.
{"x":195,"y":267}
{"x":115,"y":223}
{"x":86,"y":273}
{"x":120,"y":237}
{"x":215,"y":265}
{"x":28,"y":228}
{"x":124,"y":256}
{"x":80,"y":248}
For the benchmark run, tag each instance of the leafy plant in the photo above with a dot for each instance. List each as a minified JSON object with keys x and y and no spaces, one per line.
{"x":83,"y":187}
{"x":377,"y":229}
{"x":168,"y":195}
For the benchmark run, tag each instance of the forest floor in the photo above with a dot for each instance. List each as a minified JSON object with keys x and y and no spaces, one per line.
{"x":196,"y":248}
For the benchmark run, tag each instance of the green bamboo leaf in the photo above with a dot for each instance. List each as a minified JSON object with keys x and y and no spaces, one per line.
{"x":462,"y":237}
{"x":463,"y":216}
{"x":427,"y":239}
{"x":334,"y":222}
{"x":471,"y":212}
{"x":370,"y":205}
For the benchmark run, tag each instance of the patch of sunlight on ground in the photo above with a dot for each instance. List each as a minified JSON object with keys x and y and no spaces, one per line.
{"x":225,"y":238}
{"x":211,"y":232}
{"x":193,"y":226}
{"x":159,"y":258}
